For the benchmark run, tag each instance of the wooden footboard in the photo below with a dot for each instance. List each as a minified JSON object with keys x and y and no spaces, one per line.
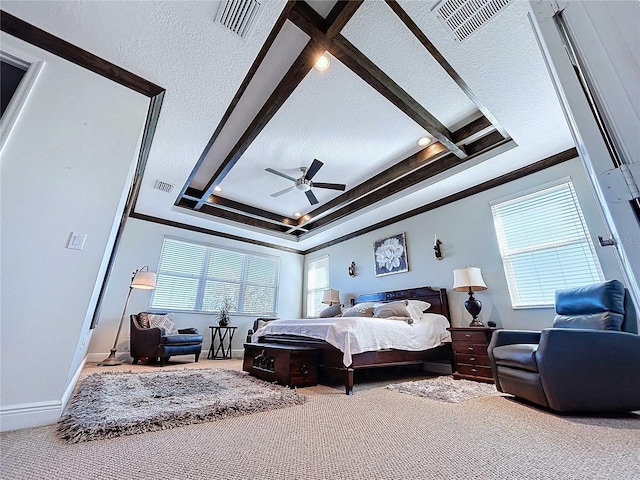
{"x":331,"y":369}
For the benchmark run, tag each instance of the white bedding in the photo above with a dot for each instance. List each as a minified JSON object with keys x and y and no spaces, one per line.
{"x":354,"y":335}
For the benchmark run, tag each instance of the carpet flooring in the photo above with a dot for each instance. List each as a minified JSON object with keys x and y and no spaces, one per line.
{"x":376,"y":433}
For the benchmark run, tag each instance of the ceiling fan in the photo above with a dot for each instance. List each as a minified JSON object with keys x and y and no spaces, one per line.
{"x":304,"y":183}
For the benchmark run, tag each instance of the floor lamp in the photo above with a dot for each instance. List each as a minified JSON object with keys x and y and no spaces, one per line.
{"x":469,"y":279}
{"x":142,"y":279}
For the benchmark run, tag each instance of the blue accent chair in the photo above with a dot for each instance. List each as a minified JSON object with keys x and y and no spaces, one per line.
{"x":154,"y":344}
{"x":588,"y":362}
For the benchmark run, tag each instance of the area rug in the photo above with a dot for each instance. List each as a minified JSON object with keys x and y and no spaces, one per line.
{"x":112,"y":404}
{"x":446,"y":389}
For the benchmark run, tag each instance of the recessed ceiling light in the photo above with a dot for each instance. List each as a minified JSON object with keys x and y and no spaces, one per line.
{"x":218,"y":188}
{"x":424,"y":141}
{"x":322,"y":63}
{"x":297,"y":214}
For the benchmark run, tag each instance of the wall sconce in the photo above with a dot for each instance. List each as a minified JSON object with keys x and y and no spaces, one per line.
{"x":436,"y":247}
{"x":352,"y":269}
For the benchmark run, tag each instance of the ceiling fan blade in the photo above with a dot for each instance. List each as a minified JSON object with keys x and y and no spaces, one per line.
{"x":311,"y":197}
{"x":282,"y":192}
{"x":313,"y":169}
{"x":332,"y":186}
{"x":275,"y":172}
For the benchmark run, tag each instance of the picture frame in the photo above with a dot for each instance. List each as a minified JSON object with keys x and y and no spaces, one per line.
{"x":390,"y":255}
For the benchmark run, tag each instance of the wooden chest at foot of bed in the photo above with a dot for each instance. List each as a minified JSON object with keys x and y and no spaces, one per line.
{"x":291,"y":365}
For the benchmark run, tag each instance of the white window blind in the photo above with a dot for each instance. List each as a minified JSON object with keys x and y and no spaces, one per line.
{"x":545,"y":245}
{"x":317,"y":283}
{"x":196,"y":278}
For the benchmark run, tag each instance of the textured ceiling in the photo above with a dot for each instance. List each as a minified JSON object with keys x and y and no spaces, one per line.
{"x":330,"y":116}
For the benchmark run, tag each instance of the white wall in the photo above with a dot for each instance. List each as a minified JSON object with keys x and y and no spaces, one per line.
{"x":141,"y":245}
{"x":66,"y":166}
{"x":468,"y":238}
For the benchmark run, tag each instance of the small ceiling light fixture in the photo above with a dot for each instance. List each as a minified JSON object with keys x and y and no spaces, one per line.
{"x":297,"y":214}
{"x":218,"y":188}
{"x":322,"y":63}
{"x":424,"y":141}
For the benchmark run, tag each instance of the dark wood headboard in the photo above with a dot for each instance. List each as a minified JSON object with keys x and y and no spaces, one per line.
{"x":436,"y":297}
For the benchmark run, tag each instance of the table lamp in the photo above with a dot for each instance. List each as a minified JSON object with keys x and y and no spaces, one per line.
{"x":470,"y":279}
{"x":331,"y":297}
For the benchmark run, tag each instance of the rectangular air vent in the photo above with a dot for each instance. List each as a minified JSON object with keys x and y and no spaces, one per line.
{"x":163,"y":186}
{"x":238,"y":15}
{"x":464,"y":17}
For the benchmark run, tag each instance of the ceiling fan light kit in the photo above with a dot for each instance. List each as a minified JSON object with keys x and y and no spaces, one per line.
{"x":304,"y":183}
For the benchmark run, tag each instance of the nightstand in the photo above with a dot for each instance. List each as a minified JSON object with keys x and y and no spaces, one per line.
{"x":470,"y":353}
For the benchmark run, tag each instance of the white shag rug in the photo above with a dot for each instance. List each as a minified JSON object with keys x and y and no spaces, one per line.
{"x":446,"y":389}
{"x":111,"y":404}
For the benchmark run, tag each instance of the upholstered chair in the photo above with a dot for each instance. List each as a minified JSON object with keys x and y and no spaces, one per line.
{"x":588,"y":362}
{"x":158,"y":343}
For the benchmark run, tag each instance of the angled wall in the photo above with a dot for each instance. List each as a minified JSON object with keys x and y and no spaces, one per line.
{"x":66,"y":167}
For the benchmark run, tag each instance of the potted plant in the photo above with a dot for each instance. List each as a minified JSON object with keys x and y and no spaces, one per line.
{"x":225,"y":307}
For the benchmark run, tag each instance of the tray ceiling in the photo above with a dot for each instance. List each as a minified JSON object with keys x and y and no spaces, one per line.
{"x":234,"y":107}
{"x":362,"y":118}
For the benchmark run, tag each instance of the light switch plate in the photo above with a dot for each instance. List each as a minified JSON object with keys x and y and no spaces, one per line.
{"x":76,"y":240}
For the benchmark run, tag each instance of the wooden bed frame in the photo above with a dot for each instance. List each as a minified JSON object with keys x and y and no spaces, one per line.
{"x":331,"y":369}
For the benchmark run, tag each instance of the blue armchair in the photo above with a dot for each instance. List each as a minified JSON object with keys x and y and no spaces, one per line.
{"x":588,"y":362}
{"x":154,"y":343}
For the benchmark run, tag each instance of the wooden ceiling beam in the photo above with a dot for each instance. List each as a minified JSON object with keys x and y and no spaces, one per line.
{"x":233,"y":216}
{"x":430,"y":170}
{"x":435,"y":53}
{"x":321,"y":33}
{"x":243,"y":87}
{"x":355,"y":60}
{"x":296,"y":73}
{"x":404,"y":167}
{"x":309,"y":21}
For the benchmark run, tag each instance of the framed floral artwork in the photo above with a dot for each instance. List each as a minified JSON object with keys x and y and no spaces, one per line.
{"x":391,"y":255}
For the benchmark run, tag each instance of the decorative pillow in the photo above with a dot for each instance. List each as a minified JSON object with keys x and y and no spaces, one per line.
{"x":332,"y":311}
{"x":143,"y":319}
{"x":423,"y":306}
{"x":365,"y":304}
{"x":415,"y":312}
{"x":392,"y":309}
{"x":166,"y":321}
{"x":358,"y":311}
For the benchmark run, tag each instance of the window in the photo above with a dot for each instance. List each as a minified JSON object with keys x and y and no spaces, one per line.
{"x":545,"y":245}
{"x":196,"y":278}
{"x":317,"y":283}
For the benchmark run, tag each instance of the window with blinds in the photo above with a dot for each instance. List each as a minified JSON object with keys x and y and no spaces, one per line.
{"x":317,"y":283}
{"x":545,"y":245}
{"x":193,"y":277}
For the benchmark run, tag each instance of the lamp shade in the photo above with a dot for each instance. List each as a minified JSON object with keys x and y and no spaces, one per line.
{"x":144,"y":280}
{"x":331,"y":296}
{"x":468,"y":278}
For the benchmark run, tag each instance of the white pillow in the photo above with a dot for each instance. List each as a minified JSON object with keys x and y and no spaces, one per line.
{"x":392,"y":309}
{"x":423,"y":306}
{"x":414,"y":311}
{"x":166,"y":321}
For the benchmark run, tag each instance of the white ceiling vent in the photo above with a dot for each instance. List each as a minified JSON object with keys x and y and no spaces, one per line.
{"x":163,"y":186}
{"x":238,"y":15}
{"x":464,"y":17}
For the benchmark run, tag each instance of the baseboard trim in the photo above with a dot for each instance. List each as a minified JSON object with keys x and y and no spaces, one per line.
{"x":28,"y":415}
